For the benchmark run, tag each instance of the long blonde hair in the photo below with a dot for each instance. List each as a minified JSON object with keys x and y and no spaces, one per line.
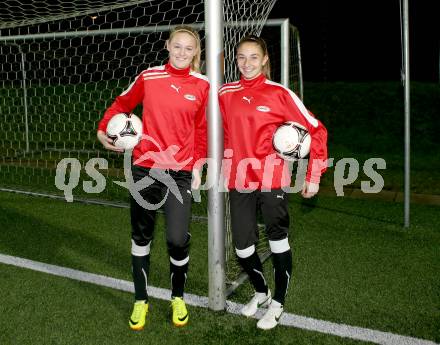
{"x":263,"y":46}
{"x":195,"y":63}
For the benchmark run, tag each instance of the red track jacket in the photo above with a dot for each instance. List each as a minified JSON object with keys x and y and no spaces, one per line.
{"x":252,"y":110}
{"x":174,"y":116}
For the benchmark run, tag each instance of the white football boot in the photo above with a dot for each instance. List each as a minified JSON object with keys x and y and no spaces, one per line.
{"x":272,"y":316}
{"x":260,"y":299}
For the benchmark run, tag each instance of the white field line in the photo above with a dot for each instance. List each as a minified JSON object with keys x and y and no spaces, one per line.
{"x":287,"y":319}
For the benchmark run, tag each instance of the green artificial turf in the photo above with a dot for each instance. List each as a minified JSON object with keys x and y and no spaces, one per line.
{"x":354,"y":264}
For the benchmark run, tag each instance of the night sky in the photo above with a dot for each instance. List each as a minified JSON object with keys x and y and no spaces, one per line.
{"x":361,"y":41}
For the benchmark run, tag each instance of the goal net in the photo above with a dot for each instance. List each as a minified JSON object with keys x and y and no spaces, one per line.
{"x":63,"y":63}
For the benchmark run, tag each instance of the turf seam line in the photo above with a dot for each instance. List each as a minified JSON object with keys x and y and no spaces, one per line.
{"x":288,"y":319}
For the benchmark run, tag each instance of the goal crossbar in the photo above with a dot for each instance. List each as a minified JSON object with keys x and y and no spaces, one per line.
{"x":130,"y":30}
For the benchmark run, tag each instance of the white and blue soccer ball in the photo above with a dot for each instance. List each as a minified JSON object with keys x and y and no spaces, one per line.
{"x":125,"y":130}
{"x":291,"y":141}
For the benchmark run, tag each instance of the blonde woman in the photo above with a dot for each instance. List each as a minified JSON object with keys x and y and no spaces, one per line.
{"x":174,"y":98}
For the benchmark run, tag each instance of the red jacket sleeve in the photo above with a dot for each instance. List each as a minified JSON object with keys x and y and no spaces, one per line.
{"x":225,"y":124}
{"x":318,"y":147}
{"x":201,"y":133}
{"x":125,"y":102}
{"x":318,"y":153}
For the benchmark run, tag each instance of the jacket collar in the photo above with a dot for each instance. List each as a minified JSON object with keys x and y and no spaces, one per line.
{"x":177,"y":72}
{"x":246,"y":83}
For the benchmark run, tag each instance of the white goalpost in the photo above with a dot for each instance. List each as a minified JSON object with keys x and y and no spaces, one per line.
{"x":61,"y":64}
{"x":216,"y":237}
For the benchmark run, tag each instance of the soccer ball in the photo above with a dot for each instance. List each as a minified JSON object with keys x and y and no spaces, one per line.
{"x":291,"y":141}
{"x":125,"y":130}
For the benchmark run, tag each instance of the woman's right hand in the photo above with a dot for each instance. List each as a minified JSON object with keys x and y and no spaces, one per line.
{"x":107,"y":142}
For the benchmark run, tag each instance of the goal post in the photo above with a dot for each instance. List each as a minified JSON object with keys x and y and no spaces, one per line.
{"x":216,"y":234}
{"x":61,"y":65}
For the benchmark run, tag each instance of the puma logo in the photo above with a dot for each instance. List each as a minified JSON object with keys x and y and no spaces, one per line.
{"x":248,"y":99}
{"x":175,"y":87}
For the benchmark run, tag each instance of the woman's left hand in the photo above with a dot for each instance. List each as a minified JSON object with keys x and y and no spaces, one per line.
{"x":309,"y":189}
{"x":196,"y":179}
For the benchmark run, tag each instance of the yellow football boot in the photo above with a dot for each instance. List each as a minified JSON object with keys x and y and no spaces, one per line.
{"x":137,"y":318}
{"x":180,"y":313}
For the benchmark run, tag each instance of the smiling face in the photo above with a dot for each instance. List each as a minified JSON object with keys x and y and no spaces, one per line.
{"x":250,"y":60}
{"x":182,"y":48}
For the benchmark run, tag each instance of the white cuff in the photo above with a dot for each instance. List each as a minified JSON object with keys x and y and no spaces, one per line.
{"x":280,"y":246}
{"x":140,"y":250}
{"x":245,"y":253}
{"x":179,"y":262}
